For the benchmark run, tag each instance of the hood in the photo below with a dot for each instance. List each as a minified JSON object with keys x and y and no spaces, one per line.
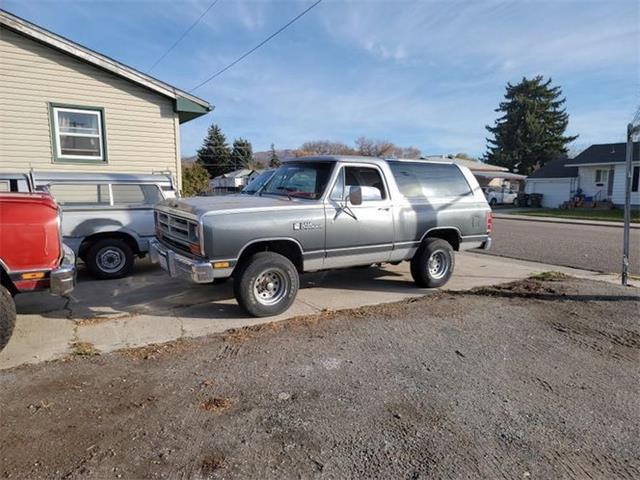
{"x":200,"y":205}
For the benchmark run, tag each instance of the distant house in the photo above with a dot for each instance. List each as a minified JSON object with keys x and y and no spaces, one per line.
{"x":598,"y":173}
{"x":66,"y":107}
{"x":555,"y":181}
{"x":233,"y":181}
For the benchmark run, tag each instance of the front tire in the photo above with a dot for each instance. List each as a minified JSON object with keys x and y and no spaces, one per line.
{"x":110,"y":258}
{"x":433,"y":263}
{"x":7,"y":316}
{"x":266,"y":284}
{"x":493,"y":202}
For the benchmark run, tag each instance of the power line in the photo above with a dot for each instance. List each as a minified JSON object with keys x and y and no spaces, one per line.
{"x":186,"y":32}
{"x":245,"y":55}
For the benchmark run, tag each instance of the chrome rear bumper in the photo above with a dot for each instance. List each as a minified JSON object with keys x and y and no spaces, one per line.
{"x":179,"y":266}
{"x":62,"y":280}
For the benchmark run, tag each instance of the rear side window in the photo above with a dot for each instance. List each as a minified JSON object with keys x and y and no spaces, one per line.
{"x":80,"y":195}
{"x":135,"y":194}
{"x":419,"y":180}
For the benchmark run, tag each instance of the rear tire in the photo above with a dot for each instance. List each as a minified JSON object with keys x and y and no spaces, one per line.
{"x":433,"y":263}
{"x":493,"y":202}
{"x":7,"y":316}
{"x":110,"y":258}
{"x":266,"y":284}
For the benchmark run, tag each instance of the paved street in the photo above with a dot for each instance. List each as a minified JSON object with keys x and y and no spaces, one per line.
{"x":579,"y":246}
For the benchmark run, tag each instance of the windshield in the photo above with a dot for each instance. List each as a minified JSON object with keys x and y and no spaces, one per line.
{"x":301,"y":180}
{"x":257,"y":183}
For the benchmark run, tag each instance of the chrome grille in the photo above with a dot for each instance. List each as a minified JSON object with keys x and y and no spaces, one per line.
{"x":178,"y":229}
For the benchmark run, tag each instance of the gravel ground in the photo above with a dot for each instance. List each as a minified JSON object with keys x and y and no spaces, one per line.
{"x":579,"y":246}
{"x":534,"y":379}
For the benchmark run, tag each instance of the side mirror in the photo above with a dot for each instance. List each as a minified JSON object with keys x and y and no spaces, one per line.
{"x":355,"y":195}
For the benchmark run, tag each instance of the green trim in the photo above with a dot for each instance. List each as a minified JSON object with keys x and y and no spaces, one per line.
{"x":54,"y":138}
{"x":188,"y":110}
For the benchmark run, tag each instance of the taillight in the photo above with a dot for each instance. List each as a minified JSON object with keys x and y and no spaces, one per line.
{"x":489,"y":222}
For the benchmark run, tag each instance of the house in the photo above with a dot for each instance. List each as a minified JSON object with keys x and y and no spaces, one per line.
{"x":555,"y":181}
{"x":233,"y":181}
{"x":68,"y":108}
{"x":487,"y":175}
{"x":598,"y":173}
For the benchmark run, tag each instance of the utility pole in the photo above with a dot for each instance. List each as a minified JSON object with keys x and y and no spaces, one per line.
{"x":631,"y":131}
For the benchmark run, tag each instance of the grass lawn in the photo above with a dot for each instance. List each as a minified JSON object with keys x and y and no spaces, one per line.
{"x":616,"y":215}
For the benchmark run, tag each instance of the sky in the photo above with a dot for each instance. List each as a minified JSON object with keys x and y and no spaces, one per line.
{"x":426,"y":73}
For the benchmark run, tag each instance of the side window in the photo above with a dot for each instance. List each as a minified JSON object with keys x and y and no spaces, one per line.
{"x":80,"y":195}
{"x":421,"y":180}
{"x":337,"y":194}
{"x":5,"y":186}
{"x":365,"y":177}
{"x":126,"y":194}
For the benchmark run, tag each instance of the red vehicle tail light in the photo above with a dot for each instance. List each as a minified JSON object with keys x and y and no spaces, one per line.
{"x":489,"y":222}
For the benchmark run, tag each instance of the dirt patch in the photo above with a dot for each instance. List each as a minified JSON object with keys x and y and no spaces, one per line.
{"x":216,"y":404}
{"x":84,"y":349}
{"x":156,"y":350}
{"x":532,"y":379}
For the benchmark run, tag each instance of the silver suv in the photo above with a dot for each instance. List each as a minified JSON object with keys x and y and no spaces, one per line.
{"x":318,"y":213}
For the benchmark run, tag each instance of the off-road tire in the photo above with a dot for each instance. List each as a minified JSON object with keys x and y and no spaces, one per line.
{"x":98,"y":248}
{"x":7,"y":316}
{"x":421,"y":272}
{"x":249,"y":283}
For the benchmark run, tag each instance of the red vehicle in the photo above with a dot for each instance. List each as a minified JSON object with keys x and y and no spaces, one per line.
{"x":32,"y":256}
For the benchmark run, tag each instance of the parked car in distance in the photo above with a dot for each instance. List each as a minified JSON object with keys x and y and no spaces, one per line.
{"x":500,"y":196}
{"x":32,"y":255}
{"x":319,"y":213}
{"x":107,"y":217}
{"x":257,"y":183}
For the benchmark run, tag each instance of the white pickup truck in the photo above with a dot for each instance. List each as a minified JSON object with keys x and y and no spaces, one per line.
{"x":500,"y":196}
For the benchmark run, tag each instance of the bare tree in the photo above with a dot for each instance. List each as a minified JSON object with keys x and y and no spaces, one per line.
{"x":326,"y":147}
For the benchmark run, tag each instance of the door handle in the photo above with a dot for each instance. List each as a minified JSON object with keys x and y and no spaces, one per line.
{"x":386,"y":209}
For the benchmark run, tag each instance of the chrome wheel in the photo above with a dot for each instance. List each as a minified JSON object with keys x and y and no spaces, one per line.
{"x":438,"y":264}
{"x":110,"y":259}
{"x":270,"y":286}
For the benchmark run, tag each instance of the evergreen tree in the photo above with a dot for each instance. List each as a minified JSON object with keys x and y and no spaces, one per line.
{"x":214,"y":155}
{"x":241,"y":154}
{"x":274,"y":161}
{"x":531,"y":130}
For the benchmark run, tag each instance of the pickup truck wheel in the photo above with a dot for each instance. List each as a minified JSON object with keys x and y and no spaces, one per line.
{"x":7,"y":316}
{"x":266,"y":285}
{"x":110,"y":258}
{"x":433,"y":263}
{"x":493,"y":202}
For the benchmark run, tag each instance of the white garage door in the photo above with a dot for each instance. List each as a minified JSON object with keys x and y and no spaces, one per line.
{"x":555,"y":191}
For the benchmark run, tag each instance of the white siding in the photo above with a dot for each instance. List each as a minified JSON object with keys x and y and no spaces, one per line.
{"x":619,"y":186}
{"x":587,"y":176}
{"x":141,"y":126}
{"x":555,"y":191}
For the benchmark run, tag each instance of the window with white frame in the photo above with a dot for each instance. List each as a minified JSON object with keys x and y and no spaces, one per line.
{"x":602,"y":176}
{"x":78,"y":133}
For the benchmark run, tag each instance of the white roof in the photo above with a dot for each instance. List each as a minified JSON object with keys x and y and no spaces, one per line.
{"x":470,"y":164}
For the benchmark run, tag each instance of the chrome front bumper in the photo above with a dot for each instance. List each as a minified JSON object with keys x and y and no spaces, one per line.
{"x":62,"y":280}
{"x":179,"y":266}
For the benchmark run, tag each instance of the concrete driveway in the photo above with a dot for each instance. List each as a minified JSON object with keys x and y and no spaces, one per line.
{"x":149,"y":307}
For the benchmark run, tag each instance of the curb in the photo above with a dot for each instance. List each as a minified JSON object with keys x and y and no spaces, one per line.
{"x":569,"y":221}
